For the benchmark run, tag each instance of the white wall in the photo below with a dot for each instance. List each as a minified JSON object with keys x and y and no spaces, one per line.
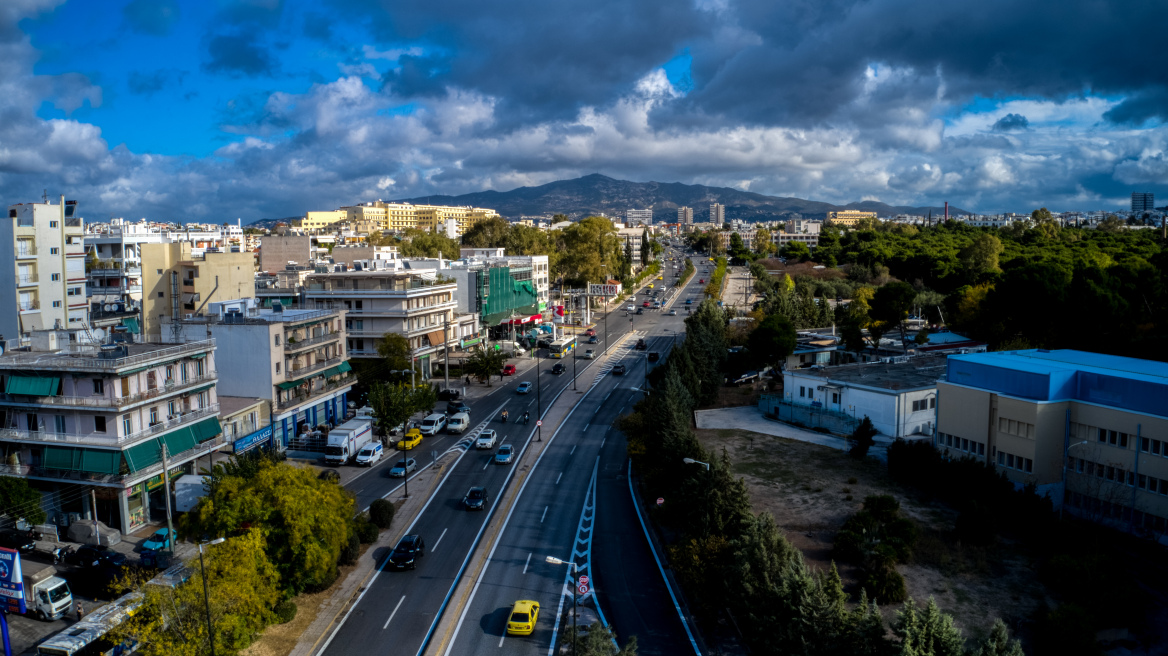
{"x":890,"y":411}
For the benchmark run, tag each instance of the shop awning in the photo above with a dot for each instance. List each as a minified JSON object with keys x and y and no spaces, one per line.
{"x":32,"y":385}
{"x":198,"y":356}
{"x":289,"y":384}
{"x":206,"y":429}
{"x":143,"y":455}
{"x":437,"y":338}
{"x":337,"y":370}
{"x":522,"y":320}
{"x":58,"y":457}
{"x":179,"y":441}
{"x":131,"y":323}
{"x":95,"y":461}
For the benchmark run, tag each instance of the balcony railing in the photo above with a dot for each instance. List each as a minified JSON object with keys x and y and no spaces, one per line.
{"x":295,"y":372}
{"x":311,"y":341}
{"x":110,"y":401}
{"x":27,"y":279}
{"x":109,"y":439}
{"x":25,"y":248}
{"x":28,"y":306}
{"x":321,"y":390}
{"x":172,"y":459}
{"x":60,"y":360}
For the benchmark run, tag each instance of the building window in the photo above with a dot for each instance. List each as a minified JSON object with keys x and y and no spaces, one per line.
{"x":160,"y":295}
{"x":981,"y":449}
{"x":127,"y":425}
{"x":56,"y":304}
{"x":56,"y":277}
{"x":835,"y":397}
{"x":54,"y":251}
{"x":184,"y":372}
{"x":170,"y":374}
{"x":74,"y":291}
{"x":277,"y":340}
{"x":172,"y":409}
{"x":1029,"y":466}
{"x":1001,"y":458}
{"x":802,"y":391}
{"x":99,"y":424}
{"x":932,"y":402}
{"x":59,"y":423}
{"x":277,"y":367}
{"x":98,"y":386}
{"x":153,"y":416}
{"x":198,"y":367}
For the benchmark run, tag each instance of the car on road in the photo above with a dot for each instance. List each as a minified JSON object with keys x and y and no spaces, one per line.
{"x":640,"y":310}
{"x":486,"y":439}
{"x":504,"y":455}
{"x":689,"y":301}
{"x":660,"y":278}
{"x":654,"y":356}
{"x":93,"y":555}
{"x":641,"y":345}
{"x":590,"y":332}
{"x":508,"y":370}
{"x":159,"y":541}
{"x":330,"y":475}
{"x":673,"y":313}
{"x":630,"y":309}
{"x":589,"y":354}
{"x":646,"y":304}
{"x":370,"y":454}
{"x":524,"y":615}
{"x":475,"y":499}
{"x":433,"y":424}
{"x":412,"y":438}
{"x":543,"y":343}
{"x":559,"y":368}
{"x":618,"y":370}
{"x":407,"y":552}
{"x":524,"y":388}
{"x":403,"y":467}
{"x":455,"y":407}
{"x":702,"y":281}
{"x":449,"y":395}
{"x":594,"y":340}
{"x":18,"y":540}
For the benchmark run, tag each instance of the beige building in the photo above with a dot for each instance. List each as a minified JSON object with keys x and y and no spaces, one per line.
{"x":45,"y":287}
{"x":397,"y":217}
{"x":747,"y":237}
{"x":848,"y":217}
{"x":322,"y":220}
{"x":685,"y":216}
{"x":717,"y":213}
{"x":177,"y":284}
{"x":1029,"y":413}
{"x":278,"y":251}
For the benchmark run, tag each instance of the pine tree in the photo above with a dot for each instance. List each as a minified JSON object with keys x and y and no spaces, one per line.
{"x":927,"y":633}
{"x":998,"y":643}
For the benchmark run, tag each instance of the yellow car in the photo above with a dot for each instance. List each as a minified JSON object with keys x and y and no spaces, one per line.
{"x":650,"y":285}
{"x":661,"y":277}
{"x":523,"y":617}
{"x":412,"y":438}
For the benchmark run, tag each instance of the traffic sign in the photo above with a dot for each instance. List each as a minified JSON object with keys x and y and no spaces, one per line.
{"x":539,"y":422}
{"x":660,"y":501}
{"x":582,"y":587}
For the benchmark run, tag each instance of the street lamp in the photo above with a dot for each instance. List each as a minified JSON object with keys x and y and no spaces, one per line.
{"x":691,"y":461}
{"x":556,"y":561}
{"x":1066,"y":455}
{"x":539,"y":396}
{"x":206,"y":592}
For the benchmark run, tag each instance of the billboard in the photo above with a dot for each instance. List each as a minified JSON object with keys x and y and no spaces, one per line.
{"x":11,"y":582}
{"x":604,"y":290}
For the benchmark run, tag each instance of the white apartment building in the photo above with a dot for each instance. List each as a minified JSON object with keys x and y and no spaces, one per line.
{"x":717,"y":213}
{"x":639,"y":217}
{"x":633,"y":238}
{"x":685,"y":216}
{"x":115,"y":268}
{"x":45,"y":258}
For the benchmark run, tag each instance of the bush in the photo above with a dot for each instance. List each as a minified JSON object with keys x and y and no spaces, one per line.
{"x":976,"y":526}
{"x":350,"y":550}
{"x":285,"y":611}
{"x":366,"y":530}
{"x":381,"y":513}
{"x":884,"y":584}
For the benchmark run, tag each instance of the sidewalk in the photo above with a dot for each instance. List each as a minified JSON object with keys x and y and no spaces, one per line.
{"x":750,"y":418}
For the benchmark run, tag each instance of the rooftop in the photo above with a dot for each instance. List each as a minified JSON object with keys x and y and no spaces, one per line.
{"x":229,"y":405}
{"x":106,"y":358}
{"x":921,"y":372}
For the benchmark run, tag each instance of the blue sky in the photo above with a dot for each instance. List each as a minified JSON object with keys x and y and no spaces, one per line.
{"x":218,"y":109}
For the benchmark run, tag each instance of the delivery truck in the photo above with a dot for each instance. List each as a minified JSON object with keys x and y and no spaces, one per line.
{"x":46,"y":595}
{"x":346,"y":440}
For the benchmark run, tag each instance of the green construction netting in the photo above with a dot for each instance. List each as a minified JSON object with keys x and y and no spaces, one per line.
{"x":503,"y":295}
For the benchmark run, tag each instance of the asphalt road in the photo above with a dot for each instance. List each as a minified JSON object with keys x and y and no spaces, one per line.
{"x":576,"y":506}
{"x":397,"y":610}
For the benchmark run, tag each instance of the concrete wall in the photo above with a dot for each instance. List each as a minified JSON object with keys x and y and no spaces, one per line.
{"x":277,"y":251}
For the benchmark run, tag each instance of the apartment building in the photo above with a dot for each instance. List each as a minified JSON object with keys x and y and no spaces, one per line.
{"x":747,"y":237}
{"x":717,"y":213}
{"x":85,"y":420}
{"x":634,"y":239}
{"x":397,"y":217}
{"x":1143,"y":201}
{"x":45,"y":260}
{"x":314,"y":221}
{"x":115,"y":261}
{"x":296,"y":360}
{"x":848,"y":217}
{"x":685,"y":216}
{"x":1102,"y":417}
{"x":278,"y":251}
{"x":246,"y":423}
{"x":639,"y":217}
{"x":178,"y":283}
{"x":416,"y":305}
{"x":350,"y":253}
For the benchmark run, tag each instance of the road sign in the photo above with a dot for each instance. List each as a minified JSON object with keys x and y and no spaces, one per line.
{"x":582,"y":587}
{"x":660,"y":501}
{"x":12,"y":583}
{"x":539,"y":422}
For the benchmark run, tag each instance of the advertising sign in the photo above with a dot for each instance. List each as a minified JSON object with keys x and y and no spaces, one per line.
{"x":253,"y":440}
{"x":604,"y":290}
{"x":11,"y":582}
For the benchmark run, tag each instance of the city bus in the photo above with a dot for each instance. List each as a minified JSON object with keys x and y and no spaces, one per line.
{"x":562,"y":348}
{"x":90,"y":635}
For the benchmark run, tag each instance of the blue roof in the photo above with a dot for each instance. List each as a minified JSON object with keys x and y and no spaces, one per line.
{"x":1066,"y":375}
{"x":946,"y":338}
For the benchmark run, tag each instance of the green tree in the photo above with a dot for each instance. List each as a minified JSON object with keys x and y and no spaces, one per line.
{"x":796,"y":250}
{"x":861,"y":438}
{"x":484,"y":363}
{"x":599,"y":640}
{"x":891,"y":305}
{"x":1041,"y":215}
{"x":981,"y":255}
{"x":772,"y":341}
{"x":998,"y":643}
{"x":853,"y":335}
{"x":395,"y":350}
{"x":426,"y":243}
{"x":394,"y":403}
{"x":1111,"y":224}
{"x":927,"y":633}
{"x":18,"y":500}
{"x":488,"y":233}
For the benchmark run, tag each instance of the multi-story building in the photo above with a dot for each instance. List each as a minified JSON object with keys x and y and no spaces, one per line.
{"x":747,"y":237}
{"x":104,"y":418}
{"x":1143,"y":201}
{"x":685,"y":216}
{"x":419,"y":305}
{"x":114,"y":269}
{"x":639,"y":217}
{"x":296,"y":360}
{"x":278,"y":251}
{"x":397,"y":217}
{"x":350,"y":253}
{"x":634,"y":239}
{"x":781,"y":239}
{"x":314,"y":221}
{"x":45,"y":260}
{"x":1090,"y":430}
{"x":717,"y":213}
{"x":848,"y":217}
{"x":177,"y":283}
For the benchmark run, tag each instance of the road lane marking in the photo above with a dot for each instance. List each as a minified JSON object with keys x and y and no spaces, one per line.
{"x":587,"y":425}
{"x":399,"y":603}
{"x":527,"y":563}
{"x":602,"y":441}
{"x":573,"y":450}
{"x":439,"y":540}
{"x":559,"y":477}
{"x":541,"y":517}
{"x":501,"y":637}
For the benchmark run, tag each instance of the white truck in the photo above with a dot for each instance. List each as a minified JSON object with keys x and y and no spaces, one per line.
{"x":346,"y":440}
{"x":46,"y":595}
{"x":188,"y":490}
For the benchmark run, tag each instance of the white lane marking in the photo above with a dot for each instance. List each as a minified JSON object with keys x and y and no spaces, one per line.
{"x":587,"y":425}
{"x":559,"y":477}
{"x":502,"y":636}
{"x":573,"y":450}
{"x":527,"y":563}
{"x":439,"y":540}
{"x":399,"y":603}
{"x":602,"y":441}
{"x":541,"y":517}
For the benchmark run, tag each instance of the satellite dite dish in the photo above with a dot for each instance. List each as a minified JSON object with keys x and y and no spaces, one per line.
{"x":98,"y":334}
{"x":107,"y":307}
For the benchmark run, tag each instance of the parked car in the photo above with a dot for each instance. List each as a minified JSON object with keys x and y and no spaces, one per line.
{"x":524,"y":615}
{"x":18,"y":540}
{"x":524,"y":388}
{"x":455,"y":407}
{"x":486,"y":439}
{"x":475,"y":499}
{"x":412,"y":438}
{"x":330,"y":475}
{"x":403,"y":467}
{"x":654,"y":356}
{"x":559,"y":368}
{"x":449,"y":395}
{"x":370,"y":454}
{"x":589,"y":354}
{"x":407,"y":552}
{"x":745,"y":378}
{"x":160,"y":541}
{"x":641,"y":345}
{"x":93,"y":555}
{"x":618,"y":370}
{"x":508,"y":370}
{"x":433,"y":424}
{"x":504,"y":455}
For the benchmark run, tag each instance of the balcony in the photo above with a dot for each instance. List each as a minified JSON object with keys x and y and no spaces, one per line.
{"x":114,"y":402}
{"x":319,"y":391}
{"x":108,"y":439}
{"x":295,"y":372}
{"x":28,"y":306}
{"x":27,"y":280}
{"x":67,"y":359}
{"x":290,"y":346}
{"x":173,"y":460}
{"x":25,"y":249}
{"x":401,"y":313}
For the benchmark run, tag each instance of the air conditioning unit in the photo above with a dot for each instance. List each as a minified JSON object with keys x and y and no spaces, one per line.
{"x":189,"y":315}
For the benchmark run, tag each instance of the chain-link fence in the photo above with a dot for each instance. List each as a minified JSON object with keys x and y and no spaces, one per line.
{"x":808,"y":416}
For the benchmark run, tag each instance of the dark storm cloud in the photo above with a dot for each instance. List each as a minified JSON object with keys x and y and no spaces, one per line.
{"x":1140,"y":108}
{"x":238,"y":54}
{"x":153,"y":17}
{"x":1011,"y":122}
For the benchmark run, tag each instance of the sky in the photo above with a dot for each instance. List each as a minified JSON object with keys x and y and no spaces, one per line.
{"x":213,"y":110}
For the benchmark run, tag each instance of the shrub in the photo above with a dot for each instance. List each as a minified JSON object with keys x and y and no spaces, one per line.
{"x":350,"y":550}
{"x":976,"y":526}
{"x":366,"y":530}
{"x":381,"y":513}
{"x":285,"y":611}
{"x":884,"y":584}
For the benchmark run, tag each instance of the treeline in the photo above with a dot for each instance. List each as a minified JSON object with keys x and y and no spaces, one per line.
{"x":732,"y":560}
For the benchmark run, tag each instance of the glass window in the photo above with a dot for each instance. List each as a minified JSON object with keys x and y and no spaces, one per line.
{"x":98,"y":386}
{"x":127,"y":425}
{"x":99,"y":424}
{"x":1010,"y":460}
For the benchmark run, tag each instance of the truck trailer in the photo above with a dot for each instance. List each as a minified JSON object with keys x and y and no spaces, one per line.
{"x":346,"y":440}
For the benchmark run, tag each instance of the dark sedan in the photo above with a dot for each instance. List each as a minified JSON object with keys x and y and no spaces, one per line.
{"x":407,"y":552}
{"x":18,"y":540}
{"x":475,"y":499}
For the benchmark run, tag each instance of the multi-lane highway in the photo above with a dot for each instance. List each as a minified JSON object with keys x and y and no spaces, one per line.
{"x":584,"y":463}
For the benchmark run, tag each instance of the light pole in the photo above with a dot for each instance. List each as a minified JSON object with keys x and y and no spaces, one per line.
{"x":538,"y":398}
{"x":206,"y":592}
{"x":556,"y":561}
{"x":1066,"y":456}
{"x":604,"y":299}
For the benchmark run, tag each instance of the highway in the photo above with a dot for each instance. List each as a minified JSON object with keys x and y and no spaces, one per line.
{"x":398,"y":611}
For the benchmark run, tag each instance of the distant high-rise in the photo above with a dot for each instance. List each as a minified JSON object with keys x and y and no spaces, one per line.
{"x":685,"y":215}
{"x":717,"y":213}
{"x":639,"y":217}
{"x":1143,"y":201}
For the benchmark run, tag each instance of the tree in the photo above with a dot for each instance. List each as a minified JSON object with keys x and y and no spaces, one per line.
{"x":762,"y":242}
{"x":599,"y":640}
{"x":796,"y":250}
{"x":425,"y":243}
{"x":853,"y":336}
{"x":1041,"y":215}
{"x":861,"y":438}
{"x":484,"y":363}
{"x":981,"y":255}
{"x":395,"y":350}
{"x":927,"y":633}
{"x":488,"y":233}
{"x":1111,"y":224}
{"x":646,"y":248}
{"x":394,"y":403}
{"x":891,"y":305}
{"x":18,"y":500}
{"x":998,"y":643}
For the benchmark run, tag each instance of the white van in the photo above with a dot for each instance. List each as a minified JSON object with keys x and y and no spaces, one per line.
{"x":433,"y":424}
{"x":458,"y":423}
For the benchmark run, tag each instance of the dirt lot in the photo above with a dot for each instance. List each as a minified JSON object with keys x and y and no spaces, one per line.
{"x":811,"y":490}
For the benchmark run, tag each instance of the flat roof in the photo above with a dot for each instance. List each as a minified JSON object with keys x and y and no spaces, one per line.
{"x":229,"y":405}
{"x":85,"y":357}
{"x":921,"y":372}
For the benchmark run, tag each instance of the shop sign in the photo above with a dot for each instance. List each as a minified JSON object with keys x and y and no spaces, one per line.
{"x":254,"y":439}
{"x":11,"y":584}
{"x":154,"y":483}
{"x":604,"y":290}
{"x":470,"y":342}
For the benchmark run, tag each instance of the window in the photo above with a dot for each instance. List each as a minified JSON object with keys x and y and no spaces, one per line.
{"x":1010,"y":460}
{"x":74,"y":291}
{"x":159,"y":271}
{"x":160,"y":295}
{"x":170,"y":374}
{"x":1001,"y":458}
{"x":56,"y":304}
{"x":198,"y":367}
{"x":56,"y":277}
{"x":127,"y":425}
{"x":204,"y":400}
{"x":277,"y":367}
{"x":99,"y":424}
{"x":1029,"y":466}
{"x":172,"y":409}
{"x":1102,"y":434}
{"x":964,"y":444}
{"x":1156,"y":447}
{"x":932,"y":402}
{"x":153,"y":416}
{"x":54,"y":251}
{"x":98,"y":386}
{"x":835,"y":397}
{"x":981,"y":449}
{"x":277,"y":340}
{"x":184,"y":372}
{"x":53,"y":224}
{"x":59,"y":423}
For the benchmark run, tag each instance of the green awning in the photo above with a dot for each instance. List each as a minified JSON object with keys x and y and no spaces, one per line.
{"x":206,"y":429}
{"x":343,"y":367}
{"x":178,"y":441}
{"x":59,"y":457}
{"x":198,"y":356}
{"x":289,"y":384}
{"x":101,"y":461}
{"x":144,"y":455}
{"x":131,"y":323}
{"x":32,"y":385}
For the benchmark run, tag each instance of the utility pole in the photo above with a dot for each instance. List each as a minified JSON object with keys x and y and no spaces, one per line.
{"x":446,"y":348}
{"x":538,"y":399}
{"x":166,"y":491}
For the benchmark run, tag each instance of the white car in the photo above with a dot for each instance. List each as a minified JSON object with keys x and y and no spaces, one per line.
{"x":370,"y":454}
{"x":631,"y":308}
{"x":589,"y":354}
{"x":486,"y":440}
{"x":433,"y":424}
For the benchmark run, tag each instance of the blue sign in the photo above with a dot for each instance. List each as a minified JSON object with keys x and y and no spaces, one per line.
{"x":253,"y":440}
{"x":11,"y":582}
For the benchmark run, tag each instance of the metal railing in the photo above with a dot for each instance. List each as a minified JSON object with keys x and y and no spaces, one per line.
{"x":297,"y":399}
{"x":316,"y":366}
{"x":107,"y":439}
{"x":311,"y":341}
{"x":172,"y":460}
{"x":27,"y":279}
{"x":28,"y":306}
{"x":25,"y":248}
{"x":68,"y":357}
{"x":110,"y":401}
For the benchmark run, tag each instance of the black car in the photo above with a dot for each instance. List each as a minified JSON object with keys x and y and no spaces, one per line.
{"x":654,"y":356}
{"x":91,"y":556}
{"x":640,"y":310}
{"x":449,"y":395}
{"x":19,"y":540}
{"x":475,"y":499}
{"x":559,"y":368}
{"x":407,"y":552}
{"x":455,"y":407}
{"x":618,"y":370}
{"x":641,"y":345}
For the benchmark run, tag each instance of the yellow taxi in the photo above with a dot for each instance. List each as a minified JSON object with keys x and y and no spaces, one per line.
{"x":661,"y":277}
{"x":650,"y":285}
{"x":524,"y":614}
{"x":411,"y":439}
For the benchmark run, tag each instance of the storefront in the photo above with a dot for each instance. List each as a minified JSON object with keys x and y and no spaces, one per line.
{"x":136,"y":506}
{"x":260,"y":439}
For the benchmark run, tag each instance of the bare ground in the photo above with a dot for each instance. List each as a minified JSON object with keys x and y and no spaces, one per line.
{"x":811,"y":490}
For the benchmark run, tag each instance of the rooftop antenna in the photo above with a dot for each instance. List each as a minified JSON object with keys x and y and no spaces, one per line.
{"x":46,"y":196}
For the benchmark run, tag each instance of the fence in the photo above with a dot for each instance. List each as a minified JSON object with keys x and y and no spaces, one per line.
{"x":807,"y":416}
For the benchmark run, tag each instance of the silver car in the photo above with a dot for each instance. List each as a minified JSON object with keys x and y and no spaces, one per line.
{"x":403,"y":467}
{"x":589,"y":354}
